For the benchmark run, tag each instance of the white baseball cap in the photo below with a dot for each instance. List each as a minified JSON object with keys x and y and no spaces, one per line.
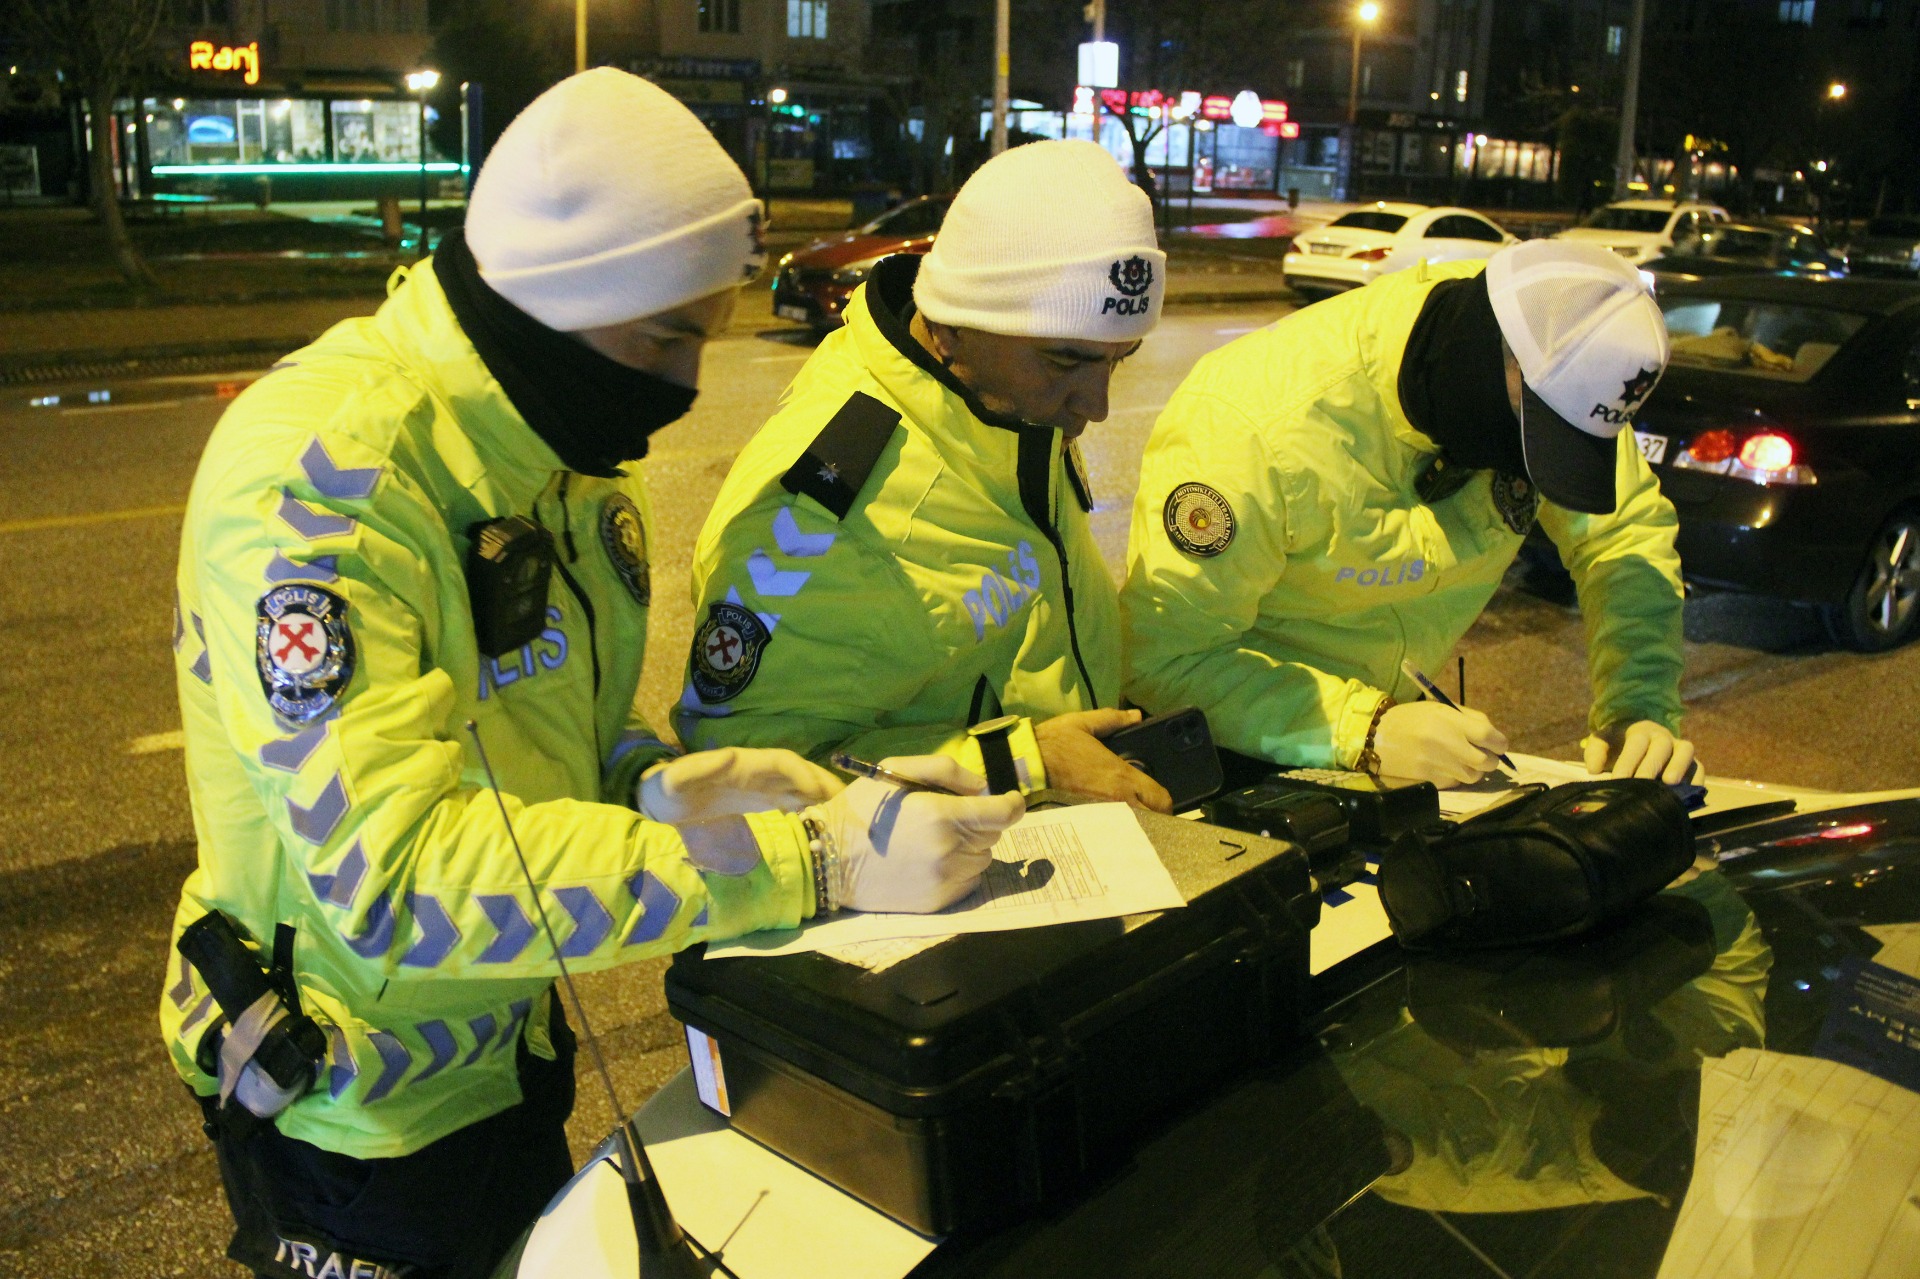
{"x":1591,"y":345}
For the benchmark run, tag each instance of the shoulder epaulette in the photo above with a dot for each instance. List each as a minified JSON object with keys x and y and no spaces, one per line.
{"x":836,"y":465}
{"x":1077,"y":476}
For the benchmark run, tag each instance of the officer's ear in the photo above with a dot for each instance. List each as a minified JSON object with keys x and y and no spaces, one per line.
{"x":945,"y":340}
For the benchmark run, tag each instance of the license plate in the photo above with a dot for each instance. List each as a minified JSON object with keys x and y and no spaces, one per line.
{"x":791,"y":313}
{"x":1323,"y":248}
{"x":1652,"y":447}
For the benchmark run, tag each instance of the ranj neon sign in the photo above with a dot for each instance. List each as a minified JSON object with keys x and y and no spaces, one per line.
{"x":205,"y":55}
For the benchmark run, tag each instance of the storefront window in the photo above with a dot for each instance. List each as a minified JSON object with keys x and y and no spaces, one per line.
{"x":255,"y":131}
{"x":1244,"y":159}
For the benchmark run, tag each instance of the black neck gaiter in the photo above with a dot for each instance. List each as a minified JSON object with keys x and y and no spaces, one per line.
{"x":1453,"y":380}
{"x":594,"y":412}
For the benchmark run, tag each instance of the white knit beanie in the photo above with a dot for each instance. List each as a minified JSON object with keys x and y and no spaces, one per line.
{"x":607,"y":200}
{"x":1047,"y":240}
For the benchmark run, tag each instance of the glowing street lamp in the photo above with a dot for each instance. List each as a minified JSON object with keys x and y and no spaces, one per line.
{"x":1836,"y":91}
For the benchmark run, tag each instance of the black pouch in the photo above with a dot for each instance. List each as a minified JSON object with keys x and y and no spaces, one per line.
{"x":1554,"y":866}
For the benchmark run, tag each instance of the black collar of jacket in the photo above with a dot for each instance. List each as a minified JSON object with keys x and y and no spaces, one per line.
{"x":890,"y":303}
{"x":595,"y":413}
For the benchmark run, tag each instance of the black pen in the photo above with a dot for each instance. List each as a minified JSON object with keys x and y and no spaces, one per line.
{"x":1412,"y":672}
{"x":860,"y":768}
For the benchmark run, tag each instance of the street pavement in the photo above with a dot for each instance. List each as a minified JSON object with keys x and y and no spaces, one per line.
{"x":103,"y":1170}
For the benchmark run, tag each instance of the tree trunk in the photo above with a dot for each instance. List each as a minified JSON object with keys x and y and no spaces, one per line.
{"x":106,"y":200}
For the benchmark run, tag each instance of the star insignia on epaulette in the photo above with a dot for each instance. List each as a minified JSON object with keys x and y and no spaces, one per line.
{"x":1637,"y":386}
{"x":830,"y":472}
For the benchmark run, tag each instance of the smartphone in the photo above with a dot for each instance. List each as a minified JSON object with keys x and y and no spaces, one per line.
{"x":1176,"y":750}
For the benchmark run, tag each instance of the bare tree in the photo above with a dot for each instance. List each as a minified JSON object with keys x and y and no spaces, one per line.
{"x":101,"y":46}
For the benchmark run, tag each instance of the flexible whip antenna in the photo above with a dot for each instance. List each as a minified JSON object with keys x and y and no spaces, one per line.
{"x":665,"y":1249}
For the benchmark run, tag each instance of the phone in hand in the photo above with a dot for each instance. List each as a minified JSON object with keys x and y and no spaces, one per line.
{"x":1175,"y":749}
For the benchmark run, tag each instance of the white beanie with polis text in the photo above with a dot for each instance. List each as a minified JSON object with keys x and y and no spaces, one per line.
{"x":607,"y":200}
{"x":1047,"y":240}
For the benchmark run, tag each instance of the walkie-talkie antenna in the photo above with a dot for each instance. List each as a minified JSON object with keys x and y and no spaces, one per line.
{"x":666,"y":1250}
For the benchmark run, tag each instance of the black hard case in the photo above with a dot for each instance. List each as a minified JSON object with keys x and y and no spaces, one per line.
{"x":998,"y":1072}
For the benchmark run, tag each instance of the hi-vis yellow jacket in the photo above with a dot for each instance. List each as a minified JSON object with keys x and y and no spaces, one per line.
{"x":327,"y":664}
{"x":1281,"y":566}
{"x":883,"y":569}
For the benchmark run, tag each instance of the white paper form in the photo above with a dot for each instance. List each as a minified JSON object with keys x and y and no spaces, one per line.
{"x":1465,"y":801}
{"x":768,"y":1218}
{"x":1803,"y":1169}
{"x":1055,"y":866}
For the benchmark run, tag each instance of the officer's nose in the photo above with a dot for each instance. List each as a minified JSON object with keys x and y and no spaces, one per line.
{"x":1088,"y":398}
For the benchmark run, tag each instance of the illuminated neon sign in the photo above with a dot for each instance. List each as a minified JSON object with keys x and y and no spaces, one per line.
{"x":204,"y":55}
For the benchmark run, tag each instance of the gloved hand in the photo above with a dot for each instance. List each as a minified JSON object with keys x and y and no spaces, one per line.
{"x":1076,"y":759}
{"x":917,"y":851}
{"x":1642,"y":749}
{"x":1431,"y":742}
{"x":730,"y":780}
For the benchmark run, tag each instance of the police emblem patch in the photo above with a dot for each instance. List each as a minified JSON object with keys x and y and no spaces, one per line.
{"x":726,"y":651}
{"x":1131,"y":277}
{"x":625,"y":537}
{"x":1516,"y":500}
{"x":304,"y":650}
{"x":1198,"y":519}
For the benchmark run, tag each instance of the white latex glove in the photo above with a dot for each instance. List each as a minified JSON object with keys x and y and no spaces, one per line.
{"x":730,"y":780}
{"x":917,"y":851}
{"x":1642,"y":749}
{"x":1429,"y":742}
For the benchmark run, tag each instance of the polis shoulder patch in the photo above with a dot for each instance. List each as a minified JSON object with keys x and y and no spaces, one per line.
{"x":625,"y":537}
{"x":304,"y":650}
{"x":1199,"y":521}
{"x":836,"y":465}
{"x":726,"y":651}
{"x":1517,"y":500}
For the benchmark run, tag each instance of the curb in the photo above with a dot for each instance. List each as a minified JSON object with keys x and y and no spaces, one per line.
{"x":152,"y":361}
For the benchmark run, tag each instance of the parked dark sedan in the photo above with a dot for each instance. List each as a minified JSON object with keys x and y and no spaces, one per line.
{"x":1890,"y":246}
{"x":1751,"y":248}
{"x":812,"y":284}
{"x":1787,"y":433}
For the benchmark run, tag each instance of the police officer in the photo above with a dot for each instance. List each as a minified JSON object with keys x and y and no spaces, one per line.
{"x":420,"y":521}
{"x":1343,"y":490}
{"x":900,"y":559}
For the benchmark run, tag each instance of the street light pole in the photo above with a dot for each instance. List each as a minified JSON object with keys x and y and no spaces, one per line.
{"x":422,"y":82}
{"x":1366,"y":12}
{"x":579,"y":35}
{"x":1002,"y":23}
{"x":1629,"y":103}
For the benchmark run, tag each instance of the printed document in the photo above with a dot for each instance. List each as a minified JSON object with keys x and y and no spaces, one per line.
{"x":1055,"y":866}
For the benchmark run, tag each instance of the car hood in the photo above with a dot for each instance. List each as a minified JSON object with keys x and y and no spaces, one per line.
{"x":852,"y":246}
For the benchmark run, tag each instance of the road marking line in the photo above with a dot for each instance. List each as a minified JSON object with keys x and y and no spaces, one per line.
{"x":155,"y":743}
{"x":94,"y":517}
{"x":780,"y":359}
{"x":83,"y":409}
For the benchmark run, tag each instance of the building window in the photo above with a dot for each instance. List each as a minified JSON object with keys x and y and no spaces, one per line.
{"x":1616,"y":38}
{"x":1800,"y":11}
{"x":1460,"y":87}
{"x":806,"y":19}
{"x":721,"y":17}
{"x":1296,"y":72}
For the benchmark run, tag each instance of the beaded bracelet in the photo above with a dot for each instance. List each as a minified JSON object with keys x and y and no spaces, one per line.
{"x":1368,"y":761}
{"x":825,"y":856}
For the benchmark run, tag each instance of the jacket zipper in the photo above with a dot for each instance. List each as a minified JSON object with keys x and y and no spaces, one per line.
{"x":1035,"y":469}
{"x":586,"y":607}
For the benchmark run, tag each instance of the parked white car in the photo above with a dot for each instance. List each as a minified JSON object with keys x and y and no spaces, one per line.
{"x":1641,"y":230}
{"x":1379,"y":239}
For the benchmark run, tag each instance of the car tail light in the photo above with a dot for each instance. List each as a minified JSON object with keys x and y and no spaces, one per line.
{"x":1369,"y":255}
{"x":1768,"y":452}
{"x":1713,"y":446}
{"x":1759,"y":457}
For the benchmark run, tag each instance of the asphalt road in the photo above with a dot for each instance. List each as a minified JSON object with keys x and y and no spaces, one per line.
{"x":103,"y":1170}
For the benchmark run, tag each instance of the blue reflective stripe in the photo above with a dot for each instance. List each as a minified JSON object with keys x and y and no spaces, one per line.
{"x":289,"y":754}
{"x":377,"y":936}
{"x":328,"y":480}
{"x":321,"y":568}
{"x":440,"y":1040}
{"x":515,"y":929}
{"x":309,"y":523}
{"x":438,"y":933}
{"x":340,"y":887}
{"x":591,"y":921}
{"x":482,"y":1027}
{"x":317,"y":823}
{"x":394,"y":1061}
{"x":657,"y":904}
{"x":342,"y":1070}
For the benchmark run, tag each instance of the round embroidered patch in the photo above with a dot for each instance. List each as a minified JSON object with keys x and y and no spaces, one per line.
{"x":1198,"y":519}
{"x":304,"y":650}
{"x":726,"y":651}
{"x":1517,"y":501}
{"x":625,"y":537}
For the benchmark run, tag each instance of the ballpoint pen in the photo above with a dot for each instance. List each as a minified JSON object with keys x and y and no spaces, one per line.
{"x":860,"y":768}
{"x":1432,"y":689}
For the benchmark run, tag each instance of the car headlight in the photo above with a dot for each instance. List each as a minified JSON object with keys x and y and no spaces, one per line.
{"x":854,"y":272}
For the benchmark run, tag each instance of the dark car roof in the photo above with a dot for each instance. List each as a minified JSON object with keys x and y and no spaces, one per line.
{"x":1875,"y":297}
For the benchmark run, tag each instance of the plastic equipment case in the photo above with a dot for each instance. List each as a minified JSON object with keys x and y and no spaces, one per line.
{"x":997,"y":1072}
